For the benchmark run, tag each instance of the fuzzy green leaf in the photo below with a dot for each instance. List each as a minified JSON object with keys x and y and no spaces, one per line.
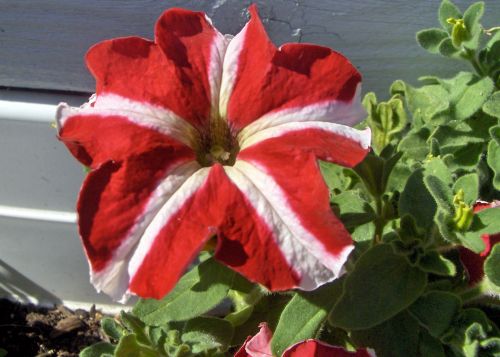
{"x":416,"y":201}
{"x":436,"y":311}
{"x":493,"y":160}
{"x":471,"y":21}
{"x":207,"y":333}
{"x":100,"y":349}
{"x":431,"y":38}
{"x":128,"y":346}
{"x":198,"y":291}
{"x":303,"y":316}
{"x":434,"y":263}
{"x":492,"y":265}
{"x":492,"y":105}
{"x":392,"y":285}
{"x":396,"y":337}
{"x":469,"y":184}
{"x":354,"y":210}
{"x":473,"y":97}
{"x":448,"y":10}
{"x":447,"y":49}
{"x":440,"y":191}
{"x":112,"y":328}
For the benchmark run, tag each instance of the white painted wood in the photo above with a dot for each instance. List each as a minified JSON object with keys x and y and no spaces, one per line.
{"x":43,"y":41}
{"x":37,"y":214}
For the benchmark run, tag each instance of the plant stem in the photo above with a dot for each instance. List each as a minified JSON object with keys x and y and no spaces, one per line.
{"x":470,"y":55}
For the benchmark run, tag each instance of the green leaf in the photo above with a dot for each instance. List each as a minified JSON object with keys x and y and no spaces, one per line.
{"x":492,"y":105}
{"x":469,"y":184}
{"x":354,"y":210}
{"x":128,"y":346}
{"x":135,"y":326}
{"x":197,"y":292}
{"x":492,"y":265}
{"x":416,"y":201}
{"x":436,"y":311}
{"x":493,"y":160}
{"x":414,"y":143}
{"x":448,"y":10}
{"x":392,"y":285}
{"x":100,"y":349}
{"x":447,"y":49}
{"x":434,"y":263}
{"x":303,"y":316}
{"x":471,"y":21}
{"x":398,"y":336}
{"x":112,"y":328}
{"x":473,"y":97}
{"x":440,"y":191}
{"x":207,"y":333}
{"x":431,"y":38}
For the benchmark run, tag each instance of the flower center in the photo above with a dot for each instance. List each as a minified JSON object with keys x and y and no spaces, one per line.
{"x":218,"y":145}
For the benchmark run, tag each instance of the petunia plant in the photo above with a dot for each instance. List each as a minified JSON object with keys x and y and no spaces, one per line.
{"x":259,"y":207}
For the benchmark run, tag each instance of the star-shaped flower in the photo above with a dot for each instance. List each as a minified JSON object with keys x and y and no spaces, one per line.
{"x":197,"y":135}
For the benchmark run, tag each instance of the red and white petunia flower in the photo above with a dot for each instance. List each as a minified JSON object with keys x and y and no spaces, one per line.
{"x":474,"y":262}
{"x":260,"y":346}
{"x":198,"y":135}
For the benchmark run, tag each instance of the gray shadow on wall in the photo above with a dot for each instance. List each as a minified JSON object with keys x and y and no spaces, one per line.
{"x":15,"y":286}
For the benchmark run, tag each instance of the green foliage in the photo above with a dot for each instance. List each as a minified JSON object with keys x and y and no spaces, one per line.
{"x":492,"y":266}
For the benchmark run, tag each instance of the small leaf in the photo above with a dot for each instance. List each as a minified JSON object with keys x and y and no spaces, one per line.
{"x":447,"y":49}
{"x":471,"y":21}
{"x":492,"y":105}
{"x":197,"y":292}
{"x":434,"y":263}
{"x":381,"y":285}
{"x":303,"y":316}
{"x":476,"y":93}
{"x":354,"y":210}
{"x":128,"y":346}
{"x":493,"y":160}
{"x":436,"y":311}
{"x":469,"y":184}
{"x":492,"y":265}
{"x":431,"y":38}
{"x":112,"y":328}
{"x":448,"y":10}
{"x":440,"y":191}
{"x":100,"y":349}
{"x":416,"y":201}
{"x":207,"y":333}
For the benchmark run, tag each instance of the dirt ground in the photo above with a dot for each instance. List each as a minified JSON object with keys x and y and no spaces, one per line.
{"x":27,"y":331}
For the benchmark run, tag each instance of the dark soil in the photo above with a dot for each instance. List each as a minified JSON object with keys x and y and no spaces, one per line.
{"x":27,"y":330}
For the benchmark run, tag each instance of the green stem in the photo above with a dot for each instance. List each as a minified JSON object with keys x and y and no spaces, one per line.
{"x":379,"y":221}
{"x":470,"y":55}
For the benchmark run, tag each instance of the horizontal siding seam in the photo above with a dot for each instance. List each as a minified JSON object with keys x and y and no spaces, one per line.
{"x":37,"y":214}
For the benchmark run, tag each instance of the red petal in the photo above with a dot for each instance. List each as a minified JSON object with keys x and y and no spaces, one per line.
{"x":216,"y":207}
{"x":258,"y":345}
{"x":314,"y":348}
{"x":174,"y":72}
{"x":268,"y":79}
{"x":290,"y":161}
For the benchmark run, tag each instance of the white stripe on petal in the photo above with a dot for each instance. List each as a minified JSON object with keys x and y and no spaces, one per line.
{"x":215,"y":68}
{"x":114,"y":279}
{"x":302,"y":251}
{"x":141,"y":113}
{"x":334,"y":111}
{"x":362,"y":137}
{"x":164,"y":215}
{"x":230,"y":69}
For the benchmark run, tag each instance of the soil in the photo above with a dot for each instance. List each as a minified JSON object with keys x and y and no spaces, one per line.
{"x":27,"y":330}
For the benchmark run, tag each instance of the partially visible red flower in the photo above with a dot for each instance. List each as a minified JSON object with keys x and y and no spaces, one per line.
{"x":260,"y":346}
{"x":474,"y":262}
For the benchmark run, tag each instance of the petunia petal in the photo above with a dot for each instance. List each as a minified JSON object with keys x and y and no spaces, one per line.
{"x":208,"y":204}
{"x":135,"y":168}
{"x":284,"y":183}
{"x":180,"y":72}
{"x":258,"y":78}
{"x":258,"y":345}
{"x":315,"y":348}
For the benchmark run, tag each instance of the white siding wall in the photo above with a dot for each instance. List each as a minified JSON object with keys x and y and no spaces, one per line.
{"x":42,"y":44}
